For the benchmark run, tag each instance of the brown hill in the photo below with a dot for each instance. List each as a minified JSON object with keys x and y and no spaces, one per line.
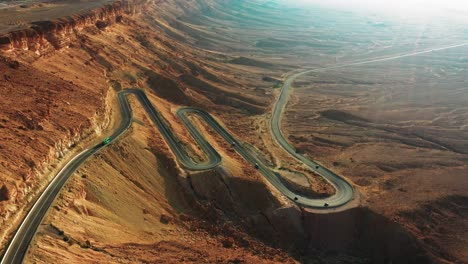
{"x":133,"y":203}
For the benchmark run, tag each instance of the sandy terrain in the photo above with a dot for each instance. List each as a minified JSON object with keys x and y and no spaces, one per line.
{"x":398,"y":132}
{"x":129,"y":53}
{"x":127,"y":215}
{"x":395,"y":129}
{"x":17,"y":15}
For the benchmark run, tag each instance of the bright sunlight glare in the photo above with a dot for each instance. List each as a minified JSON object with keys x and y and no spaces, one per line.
{"x":398,"y":7}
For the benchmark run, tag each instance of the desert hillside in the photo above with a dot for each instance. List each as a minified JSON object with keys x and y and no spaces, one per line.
{"x":81,"y":62}
{"x":394,"y":130}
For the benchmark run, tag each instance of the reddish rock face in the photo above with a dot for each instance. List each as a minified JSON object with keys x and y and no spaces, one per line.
{"x":44,"y":35}
{"x":4,"y":193}
{"x":101,"y":24}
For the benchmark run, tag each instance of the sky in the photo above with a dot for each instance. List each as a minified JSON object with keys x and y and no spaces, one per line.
{"x":398,"y":7}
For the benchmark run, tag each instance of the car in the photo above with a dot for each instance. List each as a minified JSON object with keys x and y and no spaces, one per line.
{"x":325,"y":204}
{"x":233,"y":144}
{"x":317,"y":167}
{"x":256,"y":165}
{"x":295,"y":198}
{"x":106,"y":141}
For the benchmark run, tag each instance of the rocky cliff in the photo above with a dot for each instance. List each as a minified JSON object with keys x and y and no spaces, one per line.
{"x":59,"y":79}
{"x":43,"y":36}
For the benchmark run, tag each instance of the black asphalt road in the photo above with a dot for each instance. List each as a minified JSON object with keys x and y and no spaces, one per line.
{"x":18,"y":246}
{"x":342,"y":197}
{"x":344,"y":190}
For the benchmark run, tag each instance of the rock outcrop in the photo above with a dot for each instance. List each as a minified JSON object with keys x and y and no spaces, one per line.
{"x":5,"y":193}
{"x":45,"y":36}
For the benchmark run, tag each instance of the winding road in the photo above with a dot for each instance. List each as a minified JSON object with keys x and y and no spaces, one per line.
{"x":344,"y":190}
{"x":18,"y":246}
